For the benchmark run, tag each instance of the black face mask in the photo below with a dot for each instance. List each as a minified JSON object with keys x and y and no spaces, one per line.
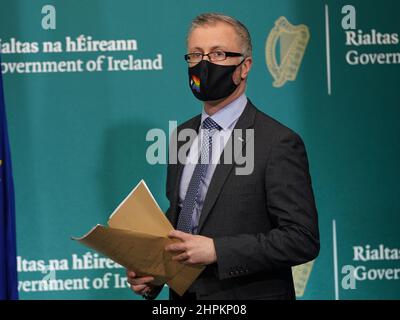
{"x":209,"y":81}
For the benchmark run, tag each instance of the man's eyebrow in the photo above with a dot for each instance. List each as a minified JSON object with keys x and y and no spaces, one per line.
{"x":218,"y":48}
{"x":197,"y":49}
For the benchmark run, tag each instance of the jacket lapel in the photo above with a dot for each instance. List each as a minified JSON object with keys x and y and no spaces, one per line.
{"x":222,"y":170}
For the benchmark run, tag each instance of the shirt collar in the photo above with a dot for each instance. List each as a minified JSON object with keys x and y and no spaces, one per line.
{"x":228,"y":114}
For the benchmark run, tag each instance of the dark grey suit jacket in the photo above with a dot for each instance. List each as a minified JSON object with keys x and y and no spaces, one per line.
{"x":263,"y":223}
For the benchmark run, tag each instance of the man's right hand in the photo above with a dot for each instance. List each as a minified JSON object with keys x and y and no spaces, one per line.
{"x":140,"y":285}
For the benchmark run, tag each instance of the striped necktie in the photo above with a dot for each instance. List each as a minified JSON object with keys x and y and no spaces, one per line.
{"x":185,"y":224}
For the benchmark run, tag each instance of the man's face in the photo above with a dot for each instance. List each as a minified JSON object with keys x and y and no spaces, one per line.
{"x":219,"y":36}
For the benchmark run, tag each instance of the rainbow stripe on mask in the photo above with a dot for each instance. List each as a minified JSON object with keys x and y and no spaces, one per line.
{"x":195,"y":83}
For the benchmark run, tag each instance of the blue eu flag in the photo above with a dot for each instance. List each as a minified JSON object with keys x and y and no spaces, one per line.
{"x":8,"y":268}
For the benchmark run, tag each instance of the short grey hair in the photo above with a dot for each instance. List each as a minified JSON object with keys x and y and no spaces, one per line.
{"x":213,"y":18}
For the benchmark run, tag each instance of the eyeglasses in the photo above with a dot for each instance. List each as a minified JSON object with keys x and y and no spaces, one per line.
{"x":214,"y":56}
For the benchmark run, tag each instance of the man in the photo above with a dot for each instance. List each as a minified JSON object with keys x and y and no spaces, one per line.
{"x":247,"y":229}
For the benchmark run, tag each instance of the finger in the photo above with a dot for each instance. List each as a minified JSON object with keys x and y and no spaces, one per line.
{"x":179,"y":235}
{"x":136,"y":277}
{"x":130,"y":274}
{"x":139,"y":281}
{"x":139,"y":288}
{"x":181,"y":257}
{"x":188,"y":262}
{"x":146,"y":290}
{"x":176,"y":247}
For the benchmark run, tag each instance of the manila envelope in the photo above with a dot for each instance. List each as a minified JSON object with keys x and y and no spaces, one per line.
{"x":136,"y":238}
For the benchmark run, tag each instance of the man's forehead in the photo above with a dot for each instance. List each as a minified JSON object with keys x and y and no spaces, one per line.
{"x":219,"y":35}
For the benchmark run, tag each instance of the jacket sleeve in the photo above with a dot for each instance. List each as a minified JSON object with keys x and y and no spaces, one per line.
{"x":290,"y":205}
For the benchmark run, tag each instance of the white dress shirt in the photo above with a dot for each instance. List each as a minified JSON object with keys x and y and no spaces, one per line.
{"x":226,"y":118}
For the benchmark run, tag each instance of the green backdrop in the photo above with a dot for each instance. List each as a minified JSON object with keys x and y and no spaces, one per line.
{"x":78,"y":139}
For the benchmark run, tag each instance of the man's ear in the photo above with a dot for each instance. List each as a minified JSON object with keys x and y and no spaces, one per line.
{"x":246,"y":66}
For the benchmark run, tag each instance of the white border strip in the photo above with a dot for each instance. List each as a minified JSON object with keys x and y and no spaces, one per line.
{"x":328,"y":50}
{"x":335,"y":260}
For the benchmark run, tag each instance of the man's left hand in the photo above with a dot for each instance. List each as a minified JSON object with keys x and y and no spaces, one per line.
{"x":193,"y":250}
